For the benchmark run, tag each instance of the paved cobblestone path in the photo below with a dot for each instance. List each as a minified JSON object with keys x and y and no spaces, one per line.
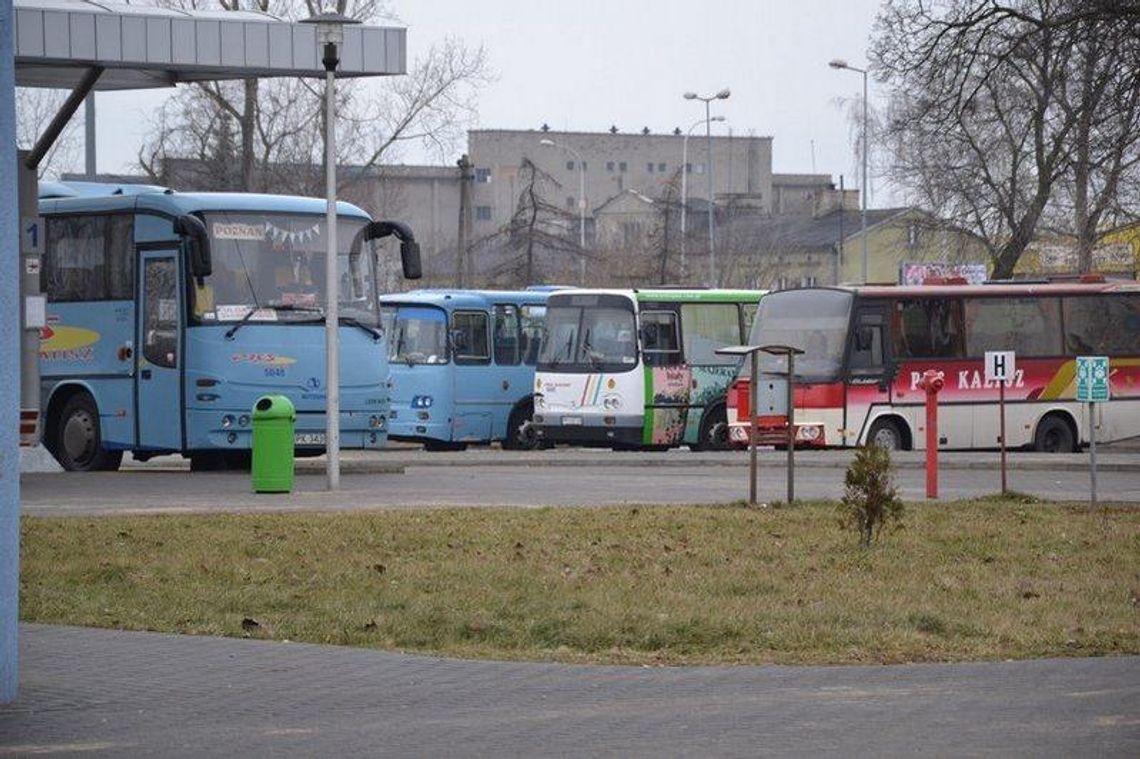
{"x":105,"y":693}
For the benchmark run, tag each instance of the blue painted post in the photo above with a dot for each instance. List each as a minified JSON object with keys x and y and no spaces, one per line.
{"x":9,"y":366}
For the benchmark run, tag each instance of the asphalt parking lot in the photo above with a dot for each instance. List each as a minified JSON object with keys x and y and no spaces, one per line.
{"x":408,"y":478}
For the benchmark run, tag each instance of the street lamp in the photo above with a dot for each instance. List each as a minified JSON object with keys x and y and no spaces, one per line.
{"x":685,"y":182}
{"x":838,"y":63}
{"x":722,"y":95}
{"x":330,"y":34}
{"x":581,"y":204}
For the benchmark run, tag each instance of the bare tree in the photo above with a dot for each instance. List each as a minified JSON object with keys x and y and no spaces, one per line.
{"x":995,"y":106}
{"x":279,"y":123}
{"x":538,"y":229}
{"x":35,"y":108}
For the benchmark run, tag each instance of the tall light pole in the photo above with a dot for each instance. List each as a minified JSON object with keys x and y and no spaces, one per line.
{"x":685,"y":182}
{"x":330,"y":33}
{"x":838,"y":63}
{"x":581,"y":204}
{"x":722,"y":95}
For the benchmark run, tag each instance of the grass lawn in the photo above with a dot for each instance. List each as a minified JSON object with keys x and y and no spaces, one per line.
{"x":987,"y":579}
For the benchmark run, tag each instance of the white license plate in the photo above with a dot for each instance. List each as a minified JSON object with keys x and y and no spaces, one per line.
{"x":572,"y":421}
{"x":309,"y":438}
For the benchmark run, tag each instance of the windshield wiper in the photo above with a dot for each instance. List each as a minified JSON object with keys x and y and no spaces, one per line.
{"x":275,"y":306}
{"x":377,"y":334}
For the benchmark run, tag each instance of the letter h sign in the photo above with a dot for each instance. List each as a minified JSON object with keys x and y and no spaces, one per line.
{"x":999,"y":366}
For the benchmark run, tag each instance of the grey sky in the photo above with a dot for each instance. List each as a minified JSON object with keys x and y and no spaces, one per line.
{"x":588,"y":64}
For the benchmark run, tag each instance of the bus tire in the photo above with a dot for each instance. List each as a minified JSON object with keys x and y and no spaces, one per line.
{"x":1054,"y":435}
{"x":77,"y":442}
{"x":887,"y":433}
{"x":713,"y":434}
{"x":520,"y":430}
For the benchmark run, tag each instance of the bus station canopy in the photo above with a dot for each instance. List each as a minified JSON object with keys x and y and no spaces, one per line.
{"x":59,"y":42}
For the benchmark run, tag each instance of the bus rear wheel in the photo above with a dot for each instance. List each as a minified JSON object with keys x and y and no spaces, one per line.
{"x":714,"y":431}
{"x":886,"y":434}
{"x":77,"y":443}
{"x":1054,"y":435}
{"x":520,"y":430}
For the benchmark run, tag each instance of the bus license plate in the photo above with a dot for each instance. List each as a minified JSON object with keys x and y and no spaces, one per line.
{"x":572,"y":421}
{"x":309,"y":438}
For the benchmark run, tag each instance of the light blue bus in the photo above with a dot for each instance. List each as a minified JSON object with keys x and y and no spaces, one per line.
{"x":462,"y":365}
{"x":170,"y":313}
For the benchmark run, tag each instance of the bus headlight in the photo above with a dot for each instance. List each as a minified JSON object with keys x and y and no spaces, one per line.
{"x":539,"y":401}
{"x":612,"y":402}
{"x":421,"y":401}
{"x":375,"y":422}
{"x":227,"y":421}
{"x":810,"y":433}
{"x":243,"y":420}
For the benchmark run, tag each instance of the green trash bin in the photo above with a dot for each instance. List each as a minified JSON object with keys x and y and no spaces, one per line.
{"x":273,"y":418}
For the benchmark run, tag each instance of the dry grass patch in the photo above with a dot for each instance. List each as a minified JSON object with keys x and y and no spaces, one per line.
{"x":974,"y":580}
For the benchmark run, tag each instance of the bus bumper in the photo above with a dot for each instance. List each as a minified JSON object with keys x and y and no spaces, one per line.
{"x":580,"y":429}
{"x":216,"y":430}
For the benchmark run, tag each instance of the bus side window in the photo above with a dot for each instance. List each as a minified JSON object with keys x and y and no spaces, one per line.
{"x":506,"y":335}
{"x":530,"y":337}
{"x":867,"y":344}
{"x":469,"y":338}
{"x":659,"y":339}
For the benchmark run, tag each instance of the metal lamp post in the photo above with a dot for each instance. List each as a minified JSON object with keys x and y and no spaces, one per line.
{"x":685,"y":182}
{"x":581,"y":204}
{"x":722,"y":95}
{"x":330,"y":34}
{"x":842,"y":64}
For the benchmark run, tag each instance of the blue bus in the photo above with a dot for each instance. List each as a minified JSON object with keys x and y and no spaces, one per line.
{"x":462,"y":365}
{"x":170,"y":313}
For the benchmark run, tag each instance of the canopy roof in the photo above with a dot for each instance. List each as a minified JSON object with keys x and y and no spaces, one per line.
{"x":57,"y":41}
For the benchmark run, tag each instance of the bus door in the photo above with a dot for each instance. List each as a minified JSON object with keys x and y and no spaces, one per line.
{"x":869,"y":366}
{"x":513,"y":379}
{"x":475,"y":385}
{"x":157,"y":381}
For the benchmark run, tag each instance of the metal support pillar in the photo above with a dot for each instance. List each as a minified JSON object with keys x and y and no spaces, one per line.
{"x":66,"y":111}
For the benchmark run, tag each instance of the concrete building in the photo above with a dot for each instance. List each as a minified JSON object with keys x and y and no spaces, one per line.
{"x":612,"y":162}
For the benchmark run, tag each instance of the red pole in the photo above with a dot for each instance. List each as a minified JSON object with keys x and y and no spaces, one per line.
{"x":931,"y":382}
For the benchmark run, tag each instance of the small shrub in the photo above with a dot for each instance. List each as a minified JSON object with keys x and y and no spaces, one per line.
{"x":869,"y":496}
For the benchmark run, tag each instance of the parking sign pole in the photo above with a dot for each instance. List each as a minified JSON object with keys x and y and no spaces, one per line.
{"x":1092,"y":452}
{"x":1001,"y":413}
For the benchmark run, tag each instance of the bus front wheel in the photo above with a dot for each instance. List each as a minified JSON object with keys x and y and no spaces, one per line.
{"x":886,"y":434}
{"x":1054,"y":435}
{"x":77,"y":442}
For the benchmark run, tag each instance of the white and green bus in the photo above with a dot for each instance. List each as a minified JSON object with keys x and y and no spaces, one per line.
{"x":639,"y":368}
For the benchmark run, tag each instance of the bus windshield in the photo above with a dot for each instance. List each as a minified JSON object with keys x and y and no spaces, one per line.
{"x":416,"y":334}
{"x":815,"y":321}
{"x":589,"y":333}
{"x":271,"y":267}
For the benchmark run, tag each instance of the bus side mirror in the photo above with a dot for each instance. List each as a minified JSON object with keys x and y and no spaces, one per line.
{"x":197,"y":241}
{"x":409,"y":248}
{"x":410,"y":259}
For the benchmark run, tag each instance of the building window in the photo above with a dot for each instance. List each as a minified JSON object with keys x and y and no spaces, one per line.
{"x":649,"y":167}
{"x":482,"y":176}
{"x":912,"y":235}
{"x":569,"y":165}
{"x":808,"y":281}
{"x":482,"y":213}
{"x":622,"y":167}
{"x":569,"y":201}
{"x":661,"y":168}
{"x":584,"y":165}
{"x":698,"y":168}
{"x":609,"y":165}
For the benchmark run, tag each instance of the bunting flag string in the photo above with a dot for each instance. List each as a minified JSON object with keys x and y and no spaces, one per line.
{"x":279,"y":235}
